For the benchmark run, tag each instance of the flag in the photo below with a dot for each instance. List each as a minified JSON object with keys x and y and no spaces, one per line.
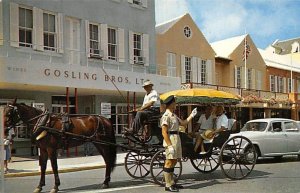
{"x":247,"y":50}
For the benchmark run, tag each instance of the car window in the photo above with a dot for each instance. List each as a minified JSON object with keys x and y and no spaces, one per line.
{"x":255,"y":126}
{"x":277,"y":126}
{"x":291,"y":126}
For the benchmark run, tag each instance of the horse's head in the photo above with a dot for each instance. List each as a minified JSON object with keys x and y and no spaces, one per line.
{"x":11,"y":116}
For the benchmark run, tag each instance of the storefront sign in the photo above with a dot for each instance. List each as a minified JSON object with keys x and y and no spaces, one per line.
{"x":106,"y":110}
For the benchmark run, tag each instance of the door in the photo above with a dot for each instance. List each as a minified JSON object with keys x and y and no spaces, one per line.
{"x":73,"y":41}
{"x":292,"y":134}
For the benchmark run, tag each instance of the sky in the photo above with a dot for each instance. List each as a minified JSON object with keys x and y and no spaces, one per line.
{"x":264,"y":20}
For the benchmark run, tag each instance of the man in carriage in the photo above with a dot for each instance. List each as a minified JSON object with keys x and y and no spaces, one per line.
{"x":150,"y":107}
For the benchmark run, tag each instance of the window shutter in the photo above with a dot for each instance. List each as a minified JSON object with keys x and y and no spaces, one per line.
{"x":199,"y":69}
{"x":38,"y":29}
{"x":60,"y":33}
{"x":298,"y":86}
{"x":1,"y":24}
{"x":235,"y":76}
{"x":258,"y":80}
{"x":104,"y":40}
{"x":121,"y":54}
{"x":144,"y":3}
{"x":131,"y":59}
{"x":243,"y":77}
{"x":183,"y":78}
{"x":130,"y":1}
{"x":14,"y":24}
{"x":146,"y":49}
{"x":253,"y":79}
{"x":87,"y":38}
{"x":284,"y":84}
{"x":194,"y":70}
{"x":209,"y":72}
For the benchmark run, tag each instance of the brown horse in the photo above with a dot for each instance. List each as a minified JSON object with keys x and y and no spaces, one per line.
{"x":92,"y":127}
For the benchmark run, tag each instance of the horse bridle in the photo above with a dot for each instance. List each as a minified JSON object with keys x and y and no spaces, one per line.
{"x":13,"y":116}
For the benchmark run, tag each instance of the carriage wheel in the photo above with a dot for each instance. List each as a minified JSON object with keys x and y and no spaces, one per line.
{"x":137,"y":165}
{"x":207,"y":164}
{"x":237,"y":157}
{"x":157,"y":165}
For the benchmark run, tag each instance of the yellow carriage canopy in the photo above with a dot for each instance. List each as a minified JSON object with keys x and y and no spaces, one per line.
{"x":201,"y":95}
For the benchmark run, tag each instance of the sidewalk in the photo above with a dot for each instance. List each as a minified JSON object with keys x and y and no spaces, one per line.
{"x":29,"y":166}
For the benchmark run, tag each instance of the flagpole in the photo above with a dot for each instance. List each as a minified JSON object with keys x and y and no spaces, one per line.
{"x":245,"y":59}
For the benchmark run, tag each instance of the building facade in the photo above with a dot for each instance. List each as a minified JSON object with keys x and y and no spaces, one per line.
{"x":97,"y":56}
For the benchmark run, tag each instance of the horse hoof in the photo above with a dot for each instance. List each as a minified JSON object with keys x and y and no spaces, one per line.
{"x":54,"y":190}
{"x":37,"y":190}
{"x":104,"y":186}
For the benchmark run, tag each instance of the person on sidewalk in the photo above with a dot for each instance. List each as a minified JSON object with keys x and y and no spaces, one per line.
{"x":170,"y":131}
{"x":150,"y":107}
{"x":7,"y":155}
{"x":11,"y":136}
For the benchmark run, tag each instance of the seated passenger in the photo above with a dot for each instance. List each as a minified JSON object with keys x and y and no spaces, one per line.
{"x":221,"y":125}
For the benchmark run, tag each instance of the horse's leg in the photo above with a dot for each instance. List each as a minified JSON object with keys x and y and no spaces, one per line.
{"x":52,"y":152}
{"x":104,"y":150}
{"x":43,"y":158}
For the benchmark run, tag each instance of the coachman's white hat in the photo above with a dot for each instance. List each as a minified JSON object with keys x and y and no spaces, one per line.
{"x":147,"y":82}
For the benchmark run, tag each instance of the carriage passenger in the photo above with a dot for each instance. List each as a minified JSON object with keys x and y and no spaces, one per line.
{"x":150,"y":107}
{"x":220,"y":125}
{"x":170,"y":131}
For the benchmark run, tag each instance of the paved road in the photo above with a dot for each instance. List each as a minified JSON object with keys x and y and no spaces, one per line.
{"x":269,"y":176}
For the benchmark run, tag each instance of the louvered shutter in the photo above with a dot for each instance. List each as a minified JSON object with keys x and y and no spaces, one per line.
{"x":146,"y":49}
{"x":209,"y":72}
{"x":253,"y":79}
{"x":235,"y":76}
{"x":38,"y":29}
{"x":121,"y":51}
{"x":87,"y":38}
{"x":194,"y":70}
{"x":104,"y":40}
{"x":284,"y":85}
{"x":243,"y":77}
{"x":183,"y":74}
{"x":130,"y":41}
{"x":60,"y":33}
{"x":14,"y":24}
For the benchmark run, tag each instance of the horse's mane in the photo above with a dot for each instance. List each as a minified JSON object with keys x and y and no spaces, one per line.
{"x":30,"y":108}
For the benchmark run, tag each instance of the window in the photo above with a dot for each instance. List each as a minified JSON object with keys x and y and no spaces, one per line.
{"x":203,"y":72}
{"x":49,"y":32}
{"x":137,"y":48}
{"x":188,"y":69}
{"x":280,"y":84}
{"x":187,"y":32}
{"x":272,"y":83}
{"x":238,"y":77}
{"x":25,"y":27}
{"x":94,"y":40}
{"x":112,"y":43}
{"x":171,"y":62}
{"x":137,"y":2}
{"x":249,"y":83}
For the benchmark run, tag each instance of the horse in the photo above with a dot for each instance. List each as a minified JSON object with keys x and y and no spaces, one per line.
{"x":92,"y":127}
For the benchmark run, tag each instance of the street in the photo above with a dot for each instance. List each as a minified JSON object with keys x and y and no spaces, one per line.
{"x":269,"y":175}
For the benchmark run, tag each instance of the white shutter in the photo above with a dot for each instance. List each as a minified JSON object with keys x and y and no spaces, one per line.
{"x":38,"y":29}
{"x":194,"y":69}
{"x":121,"y":46}
{"x":131,"y":59}
{"x":130,"y":1}
{"x":183,"y":78}
{"x":243,"y":77}
{"x":253,"y":79}
{"x":298,"y":85}
{"x":87,"y":38}
{"x":199,"y":62}
{"x":60,"y":33}
{"x":144,"y":3}
{"x":14,"y":24}
{"x":209,"y":72}
{"x":258,"y":80}
{"x":284,"y":85}
{"x":1,"y":24}
{"x":104,"y":40}
{"x":235,"y":76}
{"x":146,"y":49}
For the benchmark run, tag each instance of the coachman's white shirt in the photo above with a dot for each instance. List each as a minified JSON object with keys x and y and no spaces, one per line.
{"x":152,"y":96}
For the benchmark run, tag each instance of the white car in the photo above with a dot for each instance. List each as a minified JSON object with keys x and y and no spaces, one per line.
{"x":273,"y":137}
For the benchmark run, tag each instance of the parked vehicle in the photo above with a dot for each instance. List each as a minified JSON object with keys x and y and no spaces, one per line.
{"x":273,"y":137}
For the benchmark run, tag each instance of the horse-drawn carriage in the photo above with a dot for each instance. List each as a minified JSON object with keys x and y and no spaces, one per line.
{"x":236,"y":155}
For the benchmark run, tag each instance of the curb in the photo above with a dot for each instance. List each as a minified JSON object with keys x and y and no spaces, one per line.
{"x":65,"y":170}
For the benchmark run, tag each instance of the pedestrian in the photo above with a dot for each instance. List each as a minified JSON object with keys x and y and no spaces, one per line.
{"x":11,"y":136}
{"x":7,"y":155}
{"x":170,"y":131}
{"x":150,"y":107}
